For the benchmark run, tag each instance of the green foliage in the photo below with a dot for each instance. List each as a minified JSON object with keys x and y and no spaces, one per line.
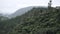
{"x":35,"y":21}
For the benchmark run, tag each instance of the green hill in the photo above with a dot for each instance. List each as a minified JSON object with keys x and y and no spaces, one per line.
{"x":35,"y":21}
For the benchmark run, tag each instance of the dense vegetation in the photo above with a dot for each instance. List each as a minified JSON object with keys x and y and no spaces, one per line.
{"x":35,"y":21}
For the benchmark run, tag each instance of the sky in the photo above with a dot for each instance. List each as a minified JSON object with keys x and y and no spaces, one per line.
{"x":10,"y":6}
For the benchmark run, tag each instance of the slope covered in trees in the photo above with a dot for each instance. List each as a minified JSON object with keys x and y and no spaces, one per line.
{"x":35,"y":21}
{"x":39,"y":21}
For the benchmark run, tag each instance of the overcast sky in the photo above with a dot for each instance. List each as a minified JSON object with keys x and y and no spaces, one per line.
{"x":10,"y":6}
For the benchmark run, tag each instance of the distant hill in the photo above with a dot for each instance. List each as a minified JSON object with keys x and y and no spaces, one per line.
{"x":21,"y":11}
{"x":1,"y":14}
{"x":2,"y":18}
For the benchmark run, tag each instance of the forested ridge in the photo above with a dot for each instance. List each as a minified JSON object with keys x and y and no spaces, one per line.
{"x":35,"y":21}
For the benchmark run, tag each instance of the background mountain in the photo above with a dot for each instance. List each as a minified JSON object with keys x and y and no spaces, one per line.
{"x":3,"y":17}
{"x":1,"y":14}
{"x":21,"y":11}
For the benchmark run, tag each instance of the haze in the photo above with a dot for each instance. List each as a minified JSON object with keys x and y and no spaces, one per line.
{"x":10,"y":6}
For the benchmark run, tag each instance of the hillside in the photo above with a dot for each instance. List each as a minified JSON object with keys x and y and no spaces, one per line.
{"x":20,"y":11}
{"x":35,"y":21}
{"x":38,"y":21}
{"x":2,"y":18}
{"x":0,"y":14}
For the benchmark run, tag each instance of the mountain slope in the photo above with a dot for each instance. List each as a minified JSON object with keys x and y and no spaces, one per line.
{"x":23,"y":10}
{"x":20,"y":11}
{"x":8,"y":25}
{"x":38,"y":21}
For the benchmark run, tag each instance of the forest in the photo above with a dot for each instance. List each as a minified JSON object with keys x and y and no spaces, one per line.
{"x":35,"y":21}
